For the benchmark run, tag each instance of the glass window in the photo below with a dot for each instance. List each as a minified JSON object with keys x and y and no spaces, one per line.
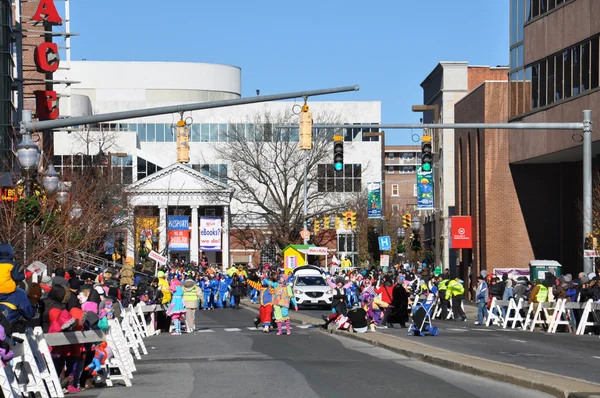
{"x":576,"y":70}
{"x":594,"y":68}
{"x":151,"y":168}
{"x":195,"y":134}
{"x":551,"y":90}
{"x":567,"y":73}
{"x":528,"y":9}
{"x":520,"y":55}
{"x":357,"y":185}
{"x":357,"y":171}
{"x":551,"y":4}
{"x":513,"y":22}
{"x":222,"y":132}
{"x":250,"y":133}
{"x":132,"y":127}
{"x":513,"y":58}
{"x":150,"y":132}
{"x":141,"y":132}
{"x":558,"y":77}
{"x":395,"y":190}
{"x":521,"y":21}
{"x":294,"y":134}
{"x":330,"y":185}
{"x":585,"y":66}
{"x":348,"y":171}
{"x":160,"y":132}
{"x":204,"y":132}
{"x":214,"y":132}
{"x":543,"y":6}
{"x":348,"y":185}
{"x":267,"y":132}
{"x":535,"y":81}
{"x":535,"y":8}
{"x":543,"y":82}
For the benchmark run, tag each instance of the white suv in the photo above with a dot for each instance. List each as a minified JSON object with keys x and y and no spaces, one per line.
{"x":311,"y":288}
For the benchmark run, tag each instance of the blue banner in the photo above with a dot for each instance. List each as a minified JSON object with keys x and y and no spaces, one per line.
{"x":374,"y":199}
{"x":424,"y":189}
{"x":178,"y":233}
{"x":178,"y":223}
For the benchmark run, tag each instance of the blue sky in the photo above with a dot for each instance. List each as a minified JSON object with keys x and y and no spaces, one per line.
{"x":387,"y":47}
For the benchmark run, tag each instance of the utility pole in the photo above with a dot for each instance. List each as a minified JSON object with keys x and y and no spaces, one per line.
{"x":381,"y":135}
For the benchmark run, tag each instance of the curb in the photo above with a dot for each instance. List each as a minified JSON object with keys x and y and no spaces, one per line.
{"x":549,"y":383}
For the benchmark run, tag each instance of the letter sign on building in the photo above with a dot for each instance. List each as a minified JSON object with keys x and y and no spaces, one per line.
{"x":47,"y":61}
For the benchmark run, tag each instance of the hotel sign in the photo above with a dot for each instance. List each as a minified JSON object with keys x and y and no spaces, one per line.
{"x":47,"y":60}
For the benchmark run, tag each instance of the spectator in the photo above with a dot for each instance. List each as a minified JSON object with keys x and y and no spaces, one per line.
{"x":481,"y":298}
{"x":10,"y":273}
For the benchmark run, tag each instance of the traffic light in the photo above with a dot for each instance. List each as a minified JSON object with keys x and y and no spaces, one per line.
{"x":353,"y":219}
{"x":183,"y":142}
{"x":305,"y":128}
{"x":338,"y":223}
{"x":317,"y":226}
{"x":326,"y":221}
{"x":406,"y":221}
{"x":426,"y":155}
{"x":348,"y":223}
{"x":338,"y":152}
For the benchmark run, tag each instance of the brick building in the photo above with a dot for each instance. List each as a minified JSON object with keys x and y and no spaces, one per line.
{"x":484,"y":186}
{"x":400,"y":177}
{"x":554,"y":76}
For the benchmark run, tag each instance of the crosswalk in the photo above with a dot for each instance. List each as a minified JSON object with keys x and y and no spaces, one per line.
{"x":250,"y":328}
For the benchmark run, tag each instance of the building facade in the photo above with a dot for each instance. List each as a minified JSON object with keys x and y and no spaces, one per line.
{"x":447,"y":84}
{"x":400,"y":178}
{"x":555,"y":74}
{"x":484,"y":186}
{"x":146,"y":147}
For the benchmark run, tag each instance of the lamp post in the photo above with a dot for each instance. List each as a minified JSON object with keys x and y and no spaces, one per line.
{"x":142,"y":251}
{"x":154,"y":241}
{"x":416,"y":243}
{"x":76,"y":211}
{"x":401,"y":234}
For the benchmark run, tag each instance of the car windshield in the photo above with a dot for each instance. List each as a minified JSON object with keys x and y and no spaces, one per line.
{"x":310,"y":281}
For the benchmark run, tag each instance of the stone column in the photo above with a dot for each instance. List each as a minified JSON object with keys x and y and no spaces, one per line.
{"x":131,"y":238}
{"x":225,"y":238}
{"x":162,"y":228}
{"x":194,"y":240}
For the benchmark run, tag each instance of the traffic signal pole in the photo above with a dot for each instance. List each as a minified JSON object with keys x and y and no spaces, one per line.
{"x":585,"y":126}
{"x":27,"y":125}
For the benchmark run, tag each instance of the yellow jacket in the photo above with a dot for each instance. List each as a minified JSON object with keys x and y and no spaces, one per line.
{"x":163,"y":285}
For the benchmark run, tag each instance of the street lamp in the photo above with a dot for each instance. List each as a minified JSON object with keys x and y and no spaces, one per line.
{"x":62,"y":195}
{"x":50,"y":180}
{"x":154,"y":241}
{"x":401,"y":233}
{"x":416,"y":224}
{"x":76,"y":211}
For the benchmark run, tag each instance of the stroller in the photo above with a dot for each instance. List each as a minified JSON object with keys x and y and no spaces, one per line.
{"x":421,"y":316}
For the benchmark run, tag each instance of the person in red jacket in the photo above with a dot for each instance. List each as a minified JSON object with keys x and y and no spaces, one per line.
{"x":386,"y":291}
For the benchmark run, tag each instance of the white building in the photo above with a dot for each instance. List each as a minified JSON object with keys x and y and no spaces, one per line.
{"x":150,"y":146}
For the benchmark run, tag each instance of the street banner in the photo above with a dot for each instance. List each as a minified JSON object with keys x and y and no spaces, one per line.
{"x":374,"y":199}
{"x":424,"y":189}
{"x":461,"y":232}
{"x":210,"y":234}
{"x":178,"y":233}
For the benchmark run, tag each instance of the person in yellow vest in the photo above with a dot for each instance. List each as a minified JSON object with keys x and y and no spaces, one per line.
{"x":456,"y":291}
{"x":163,"y":285}
{"x":346,"y":263}
{"x":442,"y":288}
{"x":191,"y":300}
{"x":539,"y":294}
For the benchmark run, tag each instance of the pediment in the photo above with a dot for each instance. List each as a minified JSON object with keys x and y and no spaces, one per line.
{"x":178,"y":178}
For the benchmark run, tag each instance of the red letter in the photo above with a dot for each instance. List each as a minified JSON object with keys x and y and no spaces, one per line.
{"x":46,"y":12}
{"x":46,"y":57}
{"x":46,"y":105}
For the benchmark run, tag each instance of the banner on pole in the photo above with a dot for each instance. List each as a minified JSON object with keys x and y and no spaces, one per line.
{"x":424,"y":189}
{"x":374,"y":199}
{"x":178,"y":233}
{"x":461,"y":232}
{"x":210,"y":234}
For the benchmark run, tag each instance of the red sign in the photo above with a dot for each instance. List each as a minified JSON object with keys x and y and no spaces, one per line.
{"x":46,"y":60}
{"x":462,"y":232}
{"x":9,"y":194}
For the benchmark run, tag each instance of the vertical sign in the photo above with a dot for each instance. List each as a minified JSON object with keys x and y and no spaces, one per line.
{"x":210,"y":234}
{"x":424,"y":189}
{"x":461,"y":232}
{"x":178,"y":233}
{"x":374,"y":199}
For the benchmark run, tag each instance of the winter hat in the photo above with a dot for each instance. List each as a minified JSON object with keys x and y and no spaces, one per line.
{"x":6,"y":252}
{"x":94,"y":296}
{"x":35,"y":293}
{"x":484,"y":273}
{"x":509,"y":283}
{"x":100,"y":290}
{"x":480,"y":278}
{"x":75,"y":284}
{"x":583,"y":279}
{"x":57,"y":293}
{"x":568,"y":278}
{"x":591,"y":276}
{"x":188,"y":283}
{"x":160,"y":274}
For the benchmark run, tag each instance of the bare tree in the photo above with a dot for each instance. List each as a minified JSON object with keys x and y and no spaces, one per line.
{"x":266,"y":169}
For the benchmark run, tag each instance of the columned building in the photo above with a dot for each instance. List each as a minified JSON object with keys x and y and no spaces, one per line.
{"x":181,"y":191}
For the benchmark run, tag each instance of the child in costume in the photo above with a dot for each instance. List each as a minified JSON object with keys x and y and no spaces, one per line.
{"x":282,"y":297}
{"x":99,"y":358}
{"x":338,"y":304}
{"x":177,"y":310}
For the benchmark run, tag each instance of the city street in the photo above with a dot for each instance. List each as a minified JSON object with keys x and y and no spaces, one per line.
{"x":227,"y":357}
{"x":562,"y":353}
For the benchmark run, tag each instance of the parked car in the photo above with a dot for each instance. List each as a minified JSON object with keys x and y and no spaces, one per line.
{"x":311,"y":288}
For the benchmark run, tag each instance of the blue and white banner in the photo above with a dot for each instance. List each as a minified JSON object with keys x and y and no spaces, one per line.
{"x":424,"y":189}
{"x":178,"y":233}
{"x":210,"y":234}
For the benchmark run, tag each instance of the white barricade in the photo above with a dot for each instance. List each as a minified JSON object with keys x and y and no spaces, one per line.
{"x":29,"y":365}
{"x":8,"y":381}
{"x":560,"y":316}
{"x":495,"y":312}
{"x":537,"y":318}
{"x":513,"y":314}
{"x":121,"y":360}
{"x":584,"y":322}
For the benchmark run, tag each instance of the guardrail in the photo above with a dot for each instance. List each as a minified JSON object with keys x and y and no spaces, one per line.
{"x":31,"y":371}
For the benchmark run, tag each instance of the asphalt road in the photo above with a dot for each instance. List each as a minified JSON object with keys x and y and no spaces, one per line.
{"x":227,"y":357}
{"x":561,"y":353}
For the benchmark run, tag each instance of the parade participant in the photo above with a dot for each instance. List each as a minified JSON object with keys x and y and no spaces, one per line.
{"x":236,"y":291}
{"x":177,"y":310}
{"x":282,"y":297}
{"x":455,"y":291}
{"x":266,"y":299}
{"x":205,"y":284}
{"x":223,"y":288}
{"x":338,"y":304}
{"x":191,"y":298}
{"x":10,"y":273}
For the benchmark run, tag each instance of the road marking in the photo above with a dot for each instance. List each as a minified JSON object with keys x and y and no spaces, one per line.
{"x":205,"y":331}
{"x":252,"y":328}
{"x":596,"y":357}
{"x":518,"y":341}
{"x":232,"y":330}
{"x":483,"y":330}
{"x":459,"y":330}
{"x":306,"y":326}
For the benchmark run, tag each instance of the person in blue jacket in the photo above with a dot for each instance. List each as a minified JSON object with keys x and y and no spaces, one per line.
{"x":223,"y":288}
{"x":214,"y":288}
{"x":16,"y":308}
{"x":206,"y":285}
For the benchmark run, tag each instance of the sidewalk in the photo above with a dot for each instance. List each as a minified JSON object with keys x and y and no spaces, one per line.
{"x":448,"y":352}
